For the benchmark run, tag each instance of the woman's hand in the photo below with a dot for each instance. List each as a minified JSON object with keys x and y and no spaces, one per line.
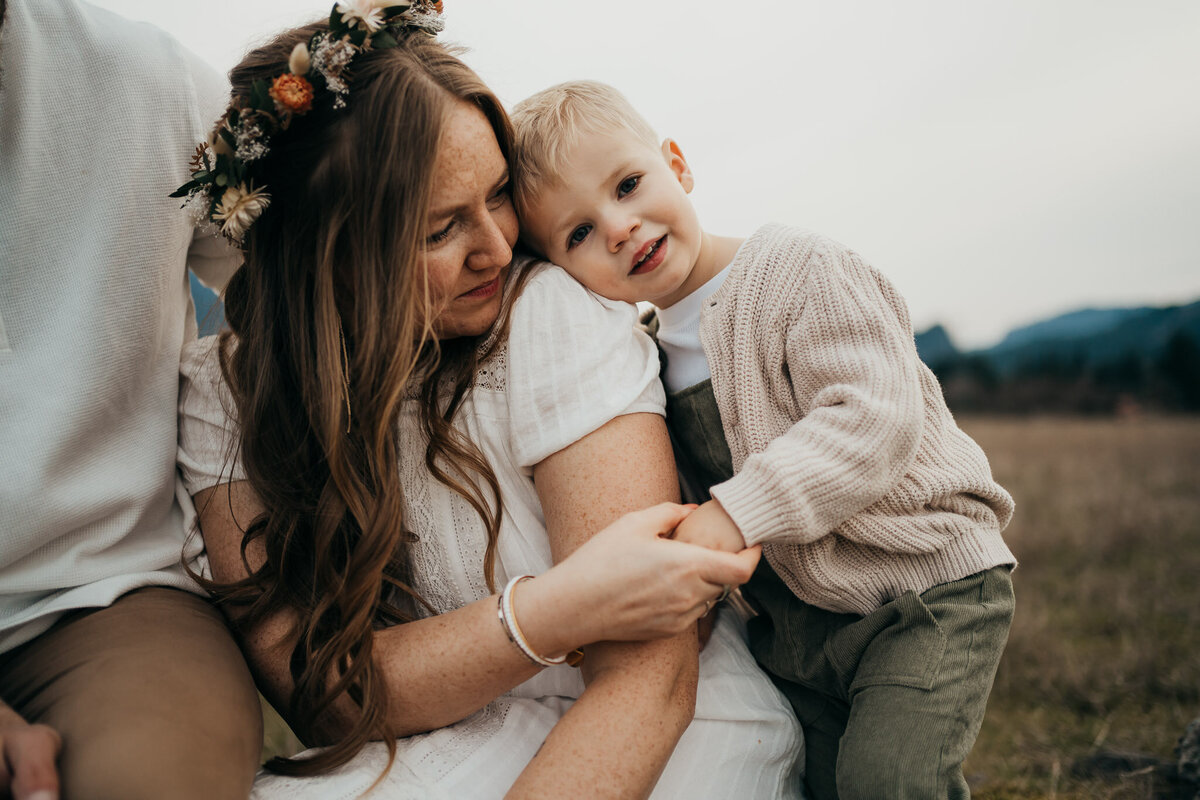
{"x":630,"y":583}
{"x":27,"y":758}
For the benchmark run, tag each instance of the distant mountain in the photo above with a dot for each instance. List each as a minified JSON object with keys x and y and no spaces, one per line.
{"x":935,"y":346}
{"x":1092,"y":360}
{"x":1072,"y":325}
{"x":1094,"y":338}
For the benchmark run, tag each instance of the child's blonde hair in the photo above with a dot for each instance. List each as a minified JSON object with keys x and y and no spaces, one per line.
{"x":548,"y":124}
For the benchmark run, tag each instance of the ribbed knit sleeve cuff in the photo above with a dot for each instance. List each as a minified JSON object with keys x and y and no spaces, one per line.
{"x":747,"y":498}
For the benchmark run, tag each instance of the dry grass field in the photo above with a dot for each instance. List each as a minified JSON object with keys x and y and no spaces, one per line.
{"x":1104,"y":655}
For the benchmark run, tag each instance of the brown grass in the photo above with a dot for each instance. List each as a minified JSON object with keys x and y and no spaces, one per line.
{"x":1105,"y":648}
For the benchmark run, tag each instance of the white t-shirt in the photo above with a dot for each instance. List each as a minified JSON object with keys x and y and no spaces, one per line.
{"x":679,"y":337}
{"x":98,"y":118}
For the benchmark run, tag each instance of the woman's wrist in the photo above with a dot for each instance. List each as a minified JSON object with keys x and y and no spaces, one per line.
{"x":507,"y":613}
{"x":549,"y":624}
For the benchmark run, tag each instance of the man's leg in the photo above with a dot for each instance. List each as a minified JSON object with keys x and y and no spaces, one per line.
{"x":151,"y":696}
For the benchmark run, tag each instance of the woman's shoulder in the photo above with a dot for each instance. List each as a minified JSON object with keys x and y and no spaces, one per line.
{"x":554,"y":311}
{"x":548,"y":288}
{"x":574,"y":361}
{"x":207,"y":426}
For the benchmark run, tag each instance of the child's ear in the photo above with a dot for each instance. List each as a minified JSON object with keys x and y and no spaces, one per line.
{"x":678,"y":164}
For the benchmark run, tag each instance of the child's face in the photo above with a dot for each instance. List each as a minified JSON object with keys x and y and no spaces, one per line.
{"x":620,"y":221}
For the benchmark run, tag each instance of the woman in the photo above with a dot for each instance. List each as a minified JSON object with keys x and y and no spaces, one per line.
{"x":415,"y":423}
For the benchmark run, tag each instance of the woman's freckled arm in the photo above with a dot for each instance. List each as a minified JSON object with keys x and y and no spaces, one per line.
{"x":640,"y":697}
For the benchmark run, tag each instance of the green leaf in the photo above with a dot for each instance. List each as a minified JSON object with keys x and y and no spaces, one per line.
{"x":260,"y":96}
{"x":202,"y":176}
{"x":185,"y":190}
{"x":392,"y":11}
{"x":383,"y":40}
{"x":357,"y":37}
{"x":229,"y":138}
{"x":222,"y":179}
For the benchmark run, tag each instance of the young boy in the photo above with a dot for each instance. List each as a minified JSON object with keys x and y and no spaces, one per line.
{"x":796,"y":397}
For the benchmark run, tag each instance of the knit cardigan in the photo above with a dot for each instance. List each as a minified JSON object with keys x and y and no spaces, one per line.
{"x":848,"y":466}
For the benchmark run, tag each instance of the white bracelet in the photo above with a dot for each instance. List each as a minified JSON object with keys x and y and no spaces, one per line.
{"x":508,"y":619}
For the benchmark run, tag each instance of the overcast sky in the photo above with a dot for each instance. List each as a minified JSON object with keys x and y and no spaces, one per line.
{"x":1001,"y":162}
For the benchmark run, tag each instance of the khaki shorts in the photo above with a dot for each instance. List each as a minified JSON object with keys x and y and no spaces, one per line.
{"x":150,"y":695}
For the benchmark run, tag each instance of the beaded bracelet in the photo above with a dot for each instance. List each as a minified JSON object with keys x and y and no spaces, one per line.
{"x":508,"y":619}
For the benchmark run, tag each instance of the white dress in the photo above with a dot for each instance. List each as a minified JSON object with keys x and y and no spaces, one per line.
{"x":572,"y":362}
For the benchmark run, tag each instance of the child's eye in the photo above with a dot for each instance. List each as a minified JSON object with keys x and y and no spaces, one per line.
{"x":628,"y":185}
{"x":440,"y":236}
{"x":578,"y":235}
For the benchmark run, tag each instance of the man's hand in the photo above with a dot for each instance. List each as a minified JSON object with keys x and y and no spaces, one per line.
{"x":710,"y":526}
{"x":27,"y":758}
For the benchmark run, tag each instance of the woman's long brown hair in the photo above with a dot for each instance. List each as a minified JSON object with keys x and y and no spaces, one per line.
{"x":334,"y":290}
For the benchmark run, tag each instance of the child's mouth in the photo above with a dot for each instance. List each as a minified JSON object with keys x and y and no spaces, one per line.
{"x":653,"y":256}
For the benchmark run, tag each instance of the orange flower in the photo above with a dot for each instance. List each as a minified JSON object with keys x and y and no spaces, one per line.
{"x":292,"y":93}
{"x":438,"y":6}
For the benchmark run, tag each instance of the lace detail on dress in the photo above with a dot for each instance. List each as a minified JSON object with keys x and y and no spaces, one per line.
{"x":446,"y":561}
{"x":464,"y":738}
{"x":492,"y":374}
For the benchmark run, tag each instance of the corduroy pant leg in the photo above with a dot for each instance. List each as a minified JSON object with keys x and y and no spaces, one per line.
{"x":151,"y":696}
{"x":890,"y":703}
{"x":919,"y":672}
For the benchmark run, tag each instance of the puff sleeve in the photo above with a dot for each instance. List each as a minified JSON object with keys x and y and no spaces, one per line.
{"x":575,"y":361}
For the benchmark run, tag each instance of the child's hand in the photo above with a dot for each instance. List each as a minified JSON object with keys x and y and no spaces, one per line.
{"x":709,"y":526}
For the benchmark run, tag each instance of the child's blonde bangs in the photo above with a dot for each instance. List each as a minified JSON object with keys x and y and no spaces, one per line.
{"x":549,"y":124}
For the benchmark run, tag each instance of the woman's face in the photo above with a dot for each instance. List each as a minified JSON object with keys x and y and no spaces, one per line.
{"x":471,"y":227}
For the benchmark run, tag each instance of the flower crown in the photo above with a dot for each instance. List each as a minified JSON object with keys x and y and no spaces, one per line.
{"x":219,"y":192}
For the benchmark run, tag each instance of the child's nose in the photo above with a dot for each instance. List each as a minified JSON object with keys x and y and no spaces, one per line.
{"x":620,"y":232}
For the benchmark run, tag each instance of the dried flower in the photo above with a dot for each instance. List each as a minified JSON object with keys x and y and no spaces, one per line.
{"x":331,"y":55}
{"x":366,"y":14}
{"x":292,"y":93}
{"x":426,"y":19}
{"x":240,"y":205}
{"x":250,"y":141}
{"x":220,"y":146}
{"x":198,"y":204}
{"x":299,"y":61}
{"x":219,"y":190}
{"x":200,"y":158}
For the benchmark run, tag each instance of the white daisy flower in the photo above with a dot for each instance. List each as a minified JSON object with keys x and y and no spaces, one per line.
{"x":239,"y":206}
{"x":366,"y":14}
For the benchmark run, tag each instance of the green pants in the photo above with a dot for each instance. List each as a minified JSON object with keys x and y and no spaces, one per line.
{"x":891,"y":703}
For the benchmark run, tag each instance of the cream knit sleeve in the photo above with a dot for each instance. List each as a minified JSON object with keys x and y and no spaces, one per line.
{"x":855,"y":379}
